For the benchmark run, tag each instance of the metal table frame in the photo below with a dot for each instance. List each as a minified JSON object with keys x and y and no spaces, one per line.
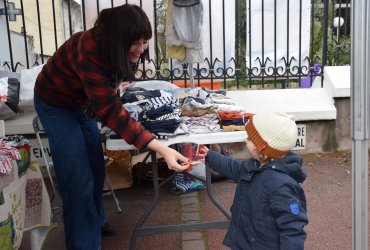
{"x":210,"y":138}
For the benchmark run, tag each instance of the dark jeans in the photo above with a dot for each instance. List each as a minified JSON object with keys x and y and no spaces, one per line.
{"x":77,"y":155}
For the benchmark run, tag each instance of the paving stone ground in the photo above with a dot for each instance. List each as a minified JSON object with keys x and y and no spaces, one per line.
{"x":328,"y":191}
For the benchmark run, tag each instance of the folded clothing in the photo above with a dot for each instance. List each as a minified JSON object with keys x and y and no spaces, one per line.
{"x":183,"y":183}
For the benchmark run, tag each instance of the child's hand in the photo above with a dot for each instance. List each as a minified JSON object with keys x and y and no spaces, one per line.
{"x":190,"y":164}
{"x":203,"y":152}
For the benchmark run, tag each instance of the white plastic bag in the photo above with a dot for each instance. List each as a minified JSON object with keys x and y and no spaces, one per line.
{"x":199,"y":171}
{"x":9,"y":98}
{"x":28,"y":79}
{"x":3,"y":90}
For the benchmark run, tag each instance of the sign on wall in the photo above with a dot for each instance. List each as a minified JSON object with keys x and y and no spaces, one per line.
{"x":38,"y":152}
{"x":301,"y":137}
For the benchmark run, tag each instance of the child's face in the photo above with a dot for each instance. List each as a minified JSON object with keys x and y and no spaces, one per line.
{"x":252,"y":149}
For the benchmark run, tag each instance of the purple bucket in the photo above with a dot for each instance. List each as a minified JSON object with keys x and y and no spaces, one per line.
{"x":306,"y":82}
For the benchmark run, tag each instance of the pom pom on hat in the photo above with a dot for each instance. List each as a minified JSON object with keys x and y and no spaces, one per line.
{"x":274,"y":134}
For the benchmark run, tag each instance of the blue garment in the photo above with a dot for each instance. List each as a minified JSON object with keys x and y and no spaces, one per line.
{"x":269,"y":208}
{"x":78,"y":159}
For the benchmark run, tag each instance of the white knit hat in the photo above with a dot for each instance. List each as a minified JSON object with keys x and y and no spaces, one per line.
{"x":273,"y":133}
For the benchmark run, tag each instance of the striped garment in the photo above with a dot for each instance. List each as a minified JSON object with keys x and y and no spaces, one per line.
{"x":7,"y":155}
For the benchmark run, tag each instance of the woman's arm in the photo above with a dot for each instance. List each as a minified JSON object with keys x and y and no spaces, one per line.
{"x":170,"y":155}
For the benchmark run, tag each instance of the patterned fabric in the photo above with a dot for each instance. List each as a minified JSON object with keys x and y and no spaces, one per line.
{"x":192,"y":107}
{"x":7,"y":155}
{"x":79,"y":75}
{"x":207,"y":123}
{"x":7,"y":233}
{"x":183,"y":183}
{"x":24,"y":204}
{"x":33,"y":202}
{"x":5,"y":180}
{"x":156,"y":102}
{"x":16,"y":141}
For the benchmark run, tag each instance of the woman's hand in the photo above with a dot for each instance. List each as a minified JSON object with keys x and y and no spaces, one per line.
{"x":171,"y":156}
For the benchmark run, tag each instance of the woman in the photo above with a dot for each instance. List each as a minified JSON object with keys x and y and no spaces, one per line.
{"x":82,"y":79}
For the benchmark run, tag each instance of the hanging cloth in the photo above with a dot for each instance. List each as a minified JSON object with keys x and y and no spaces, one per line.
{"x":184,"y":30}
{"x":185,"y":3}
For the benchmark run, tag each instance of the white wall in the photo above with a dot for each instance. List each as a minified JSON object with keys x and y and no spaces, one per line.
{"x":4,"y":51}
{"x":19,"y":54}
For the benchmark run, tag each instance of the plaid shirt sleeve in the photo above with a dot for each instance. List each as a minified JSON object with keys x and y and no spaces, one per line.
{"x":78,"y":74}
{"x":107,"y":105}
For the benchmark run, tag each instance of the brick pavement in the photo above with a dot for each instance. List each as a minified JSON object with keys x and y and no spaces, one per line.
{"x":328,"y":191}
{"x":190,"y":213}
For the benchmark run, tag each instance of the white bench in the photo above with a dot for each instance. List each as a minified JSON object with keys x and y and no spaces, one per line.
{"x":304,"y":104}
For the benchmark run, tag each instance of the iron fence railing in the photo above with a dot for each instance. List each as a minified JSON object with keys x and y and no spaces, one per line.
{"x":246,"y":44}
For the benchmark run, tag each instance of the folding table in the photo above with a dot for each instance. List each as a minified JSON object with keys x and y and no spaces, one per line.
{"x":208,"y":138}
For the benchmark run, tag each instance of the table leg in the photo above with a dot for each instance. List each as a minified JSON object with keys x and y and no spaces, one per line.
{"x":146,"y":214}
{"x":211,"y":194}
{"x":140,"y":231}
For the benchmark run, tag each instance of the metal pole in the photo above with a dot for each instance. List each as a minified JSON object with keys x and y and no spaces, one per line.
{"x":338,"y":34}
{"x":360,"y":94}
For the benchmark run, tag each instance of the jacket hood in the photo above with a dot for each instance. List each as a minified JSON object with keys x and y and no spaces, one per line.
{"x":290,"y":164}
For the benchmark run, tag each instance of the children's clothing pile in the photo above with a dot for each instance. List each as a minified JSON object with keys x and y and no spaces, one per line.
{"x":174,"y":111}
{"x":171,"y":112}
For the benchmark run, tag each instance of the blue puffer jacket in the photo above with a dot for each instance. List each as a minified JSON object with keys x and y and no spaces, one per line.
{"x":269,"y":208}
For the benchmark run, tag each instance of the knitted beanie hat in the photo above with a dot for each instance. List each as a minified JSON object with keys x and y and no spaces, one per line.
{"x":273,"y":133}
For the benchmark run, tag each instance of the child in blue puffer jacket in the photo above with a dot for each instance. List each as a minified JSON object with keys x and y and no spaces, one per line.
{"x":269,"y":208}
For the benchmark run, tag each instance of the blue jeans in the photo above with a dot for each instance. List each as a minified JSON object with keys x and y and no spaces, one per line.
{"x":78,"y":159}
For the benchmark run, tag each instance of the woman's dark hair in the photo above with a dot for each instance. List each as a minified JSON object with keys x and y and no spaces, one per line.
{"x":115,"y":30}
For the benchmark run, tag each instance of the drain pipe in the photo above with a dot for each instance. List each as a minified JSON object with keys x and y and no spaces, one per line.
{"x":360,"y":101}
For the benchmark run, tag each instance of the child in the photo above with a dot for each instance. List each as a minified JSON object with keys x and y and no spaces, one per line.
{"x":269,"y":207}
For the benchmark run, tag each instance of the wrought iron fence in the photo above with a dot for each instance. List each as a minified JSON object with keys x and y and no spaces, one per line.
{"x":246,"y":44}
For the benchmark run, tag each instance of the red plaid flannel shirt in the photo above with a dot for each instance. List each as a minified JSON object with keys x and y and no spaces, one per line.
{"x":77,"y":74}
